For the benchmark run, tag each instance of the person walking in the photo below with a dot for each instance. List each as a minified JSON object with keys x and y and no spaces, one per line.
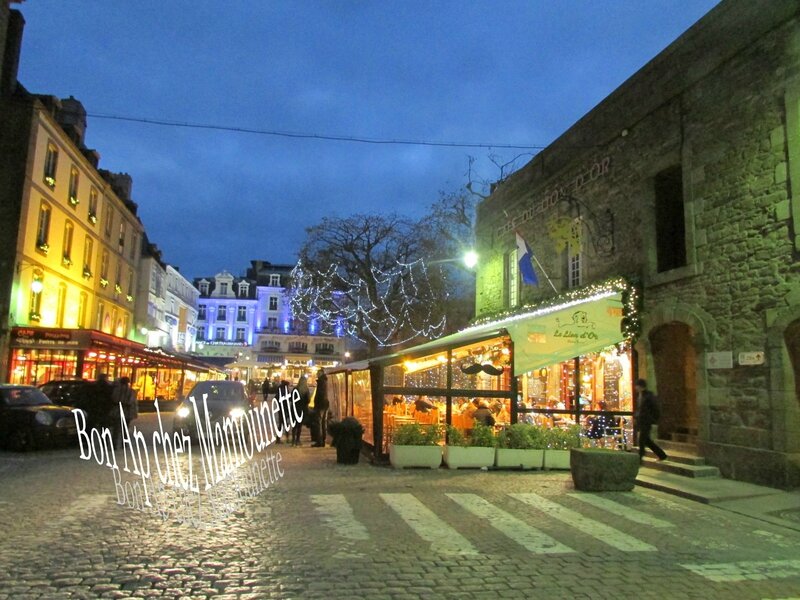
{"x":321,"y":406}
{"x":647,"y":415}
{"x":123,"y":394}
{"x":106,"y":413}
{"x":302,"y":406}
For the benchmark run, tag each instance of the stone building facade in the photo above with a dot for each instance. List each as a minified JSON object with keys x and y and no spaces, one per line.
{"x":686,"y":180}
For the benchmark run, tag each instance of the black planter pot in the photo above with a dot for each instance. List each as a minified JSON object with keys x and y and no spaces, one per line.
{"x":347,"y":454}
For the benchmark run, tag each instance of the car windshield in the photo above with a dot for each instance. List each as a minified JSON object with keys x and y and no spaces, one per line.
{"x":219,"y":392}
{"x":23,"y":396}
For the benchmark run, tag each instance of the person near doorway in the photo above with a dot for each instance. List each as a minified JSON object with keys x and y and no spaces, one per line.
{"x":647,"y":415}
{"x":321,"y":407}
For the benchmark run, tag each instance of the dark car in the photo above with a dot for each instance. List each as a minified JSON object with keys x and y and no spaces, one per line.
{"x":69,"y":392}
{"x":223,"y":398}
{"x":28,"y":419}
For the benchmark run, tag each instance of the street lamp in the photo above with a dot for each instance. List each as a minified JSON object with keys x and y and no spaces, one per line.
{"x":469,"y":260}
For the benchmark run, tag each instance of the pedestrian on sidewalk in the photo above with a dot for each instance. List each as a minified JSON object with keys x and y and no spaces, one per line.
{"x":302,"y":406}
{"x":647,"y":415}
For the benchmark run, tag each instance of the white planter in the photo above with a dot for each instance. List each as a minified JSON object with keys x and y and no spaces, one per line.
{"x":514,"y":458}
{"x":556,"y":459}
{"x":460,"y":457}
{"x":415,"y":456}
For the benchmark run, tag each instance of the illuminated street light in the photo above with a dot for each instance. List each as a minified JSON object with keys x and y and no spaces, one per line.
{"x":36,"y":286}
{"x":471,"y":259}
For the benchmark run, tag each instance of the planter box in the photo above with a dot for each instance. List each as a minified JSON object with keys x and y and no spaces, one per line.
{"x":556,"y":459}
{"x":348,"y":454}
{"x":601,"y":470}
{"x":460,"y":457}
{"x":514,"y":458}
{"x":415,"y":456}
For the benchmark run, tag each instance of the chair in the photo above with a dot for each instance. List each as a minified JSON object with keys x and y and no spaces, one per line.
{"x":616,"y":436}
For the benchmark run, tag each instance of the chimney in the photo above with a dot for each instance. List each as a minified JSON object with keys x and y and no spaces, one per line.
{"x":92,"y":155}
{"x":13,"y":47}
{"x":121,"y":183}
{"x":72,"y":118}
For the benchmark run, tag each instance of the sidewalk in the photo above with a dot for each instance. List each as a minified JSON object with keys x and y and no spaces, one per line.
{"x":760,"y":502}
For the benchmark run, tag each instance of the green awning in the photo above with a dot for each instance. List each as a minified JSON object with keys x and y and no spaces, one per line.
{"x":553,"y":335}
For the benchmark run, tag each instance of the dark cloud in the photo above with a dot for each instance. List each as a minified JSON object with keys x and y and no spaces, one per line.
{"x":513,"y":72}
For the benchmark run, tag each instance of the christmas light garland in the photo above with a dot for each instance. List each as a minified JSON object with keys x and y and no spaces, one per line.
{"x":378,"y":310}
{"x":631,"y":305}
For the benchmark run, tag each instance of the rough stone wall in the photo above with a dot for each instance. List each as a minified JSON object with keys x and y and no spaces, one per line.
{"x":714,"y":102}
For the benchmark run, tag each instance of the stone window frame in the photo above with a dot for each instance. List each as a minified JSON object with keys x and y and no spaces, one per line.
{"x":689,"y":174}
{"x":792,"y":102}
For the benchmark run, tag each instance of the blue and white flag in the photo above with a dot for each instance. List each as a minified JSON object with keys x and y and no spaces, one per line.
{"x":524,"y":259}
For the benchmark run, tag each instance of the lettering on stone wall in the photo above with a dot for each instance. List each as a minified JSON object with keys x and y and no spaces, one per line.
{"x":550,"y":198}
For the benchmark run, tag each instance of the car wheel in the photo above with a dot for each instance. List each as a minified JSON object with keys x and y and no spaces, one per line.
{"x":22,"y":440}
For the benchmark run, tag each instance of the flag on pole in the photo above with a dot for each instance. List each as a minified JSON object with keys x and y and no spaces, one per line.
{"x":525,"y":261}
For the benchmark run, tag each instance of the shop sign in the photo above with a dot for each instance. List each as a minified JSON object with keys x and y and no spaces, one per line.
{"x":567,"y":333}
{"x":719,"y":360}
{"x":31,"y":337}
{"x":751,"y":358}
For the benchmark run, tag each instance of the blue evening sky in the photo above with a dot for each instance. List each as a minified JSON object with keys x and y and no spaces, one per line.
{"x":509,"y":72}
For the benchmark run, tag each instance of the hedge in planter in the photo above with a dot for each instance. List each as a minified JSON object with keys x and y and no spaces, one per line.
{"x":346,"y":436}
{"x":603,"y":470}
{"x":521,"y":446}
{"x":474,"y":452}
{"x":415,"y":445}
{"x":559,"y":442}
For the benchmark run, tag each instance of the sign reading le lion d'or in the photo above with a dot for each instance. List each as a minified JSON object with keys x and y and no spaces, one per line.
{"x":563,"y":334}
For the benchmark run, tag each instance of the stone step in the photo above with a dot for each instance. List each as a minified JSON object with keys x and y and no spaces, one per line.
{"x":705,"y":489}
{"x":678,"y":447}
{"x":678,"y":468}
{"x":681,"y":457}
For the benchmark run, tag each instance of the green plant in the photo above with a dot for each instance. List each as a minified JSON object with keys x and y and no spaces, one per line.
{"x":414,"y":434}
{"x":455,"y":437}
{"x":482,"y":436}
{"x":559,"y":438}
{"x":521,"y":436}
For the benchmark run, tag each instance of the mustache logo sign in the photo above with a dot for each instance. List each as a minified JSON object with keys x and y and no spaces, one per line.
{"x":487,"y":368}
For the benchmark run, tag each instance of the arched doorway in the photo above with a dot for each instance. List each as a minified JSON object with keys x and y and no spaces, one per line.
{"x":792,"y":338}
{"x":674,"y":359}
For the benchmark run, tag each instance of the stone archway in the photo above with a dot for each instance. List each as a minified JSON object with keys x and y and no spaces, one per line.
{"x":674,"y":362}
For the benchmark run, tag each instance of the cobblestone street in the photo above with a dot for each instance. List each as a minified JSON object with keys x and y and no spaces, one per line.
{"x":325,"y":530}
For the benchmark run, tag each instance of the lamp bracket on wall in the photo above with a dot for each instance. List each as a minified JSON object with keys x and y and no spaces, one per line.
{"x":599,"y":225}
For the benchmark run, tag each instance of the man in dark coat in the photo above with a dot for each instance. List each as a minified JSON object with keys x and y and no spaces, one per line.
{"x":483,"y":415}
{"x":647,"y":415}
{"x":321,"y":407}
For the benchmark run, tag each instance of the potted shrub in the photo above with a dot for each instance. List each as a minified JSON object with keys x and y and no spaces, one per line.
{"x":346,"y":436}
{"x":476,"y":451}
{"x":521,"y":445}
{"x":603,"y":470}
{"x":415,"y":445}
{"x":558,"y":443}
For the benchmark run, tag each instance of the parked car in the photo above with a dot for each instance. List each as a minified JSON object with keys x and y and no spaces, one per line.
{"x":28,"y":419}
{"x":224,"y":398}
{"x":68,"y":392}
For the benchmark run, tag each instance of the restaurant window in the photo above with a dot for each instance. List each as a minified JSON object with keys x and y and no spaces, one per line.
{"x":88,"y":248}
{"x":93,"y":205}
{"x":83,"y":300}
{"x":104,"y":268}
{"x":512,"y":279}
{"x":121,"y":241}
{"x":201,"y":312}
{"x":272,"y":323}
{"x":74,"y":179}
{"x":43,"y":227}
{"x":575,"y":254}
{"x":222,"y":313}
{"x":66,"y":247}
{"x":241,"y":313}
{"x":50,"y":165}
{"x":35,"y":303}
{"x":240,"y":331}
{"x":108,"y":220}
{"x":670,"y":219}
{"x":220,"y":334}
{"x":275,"y":280}
{"x":61,"y":303}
